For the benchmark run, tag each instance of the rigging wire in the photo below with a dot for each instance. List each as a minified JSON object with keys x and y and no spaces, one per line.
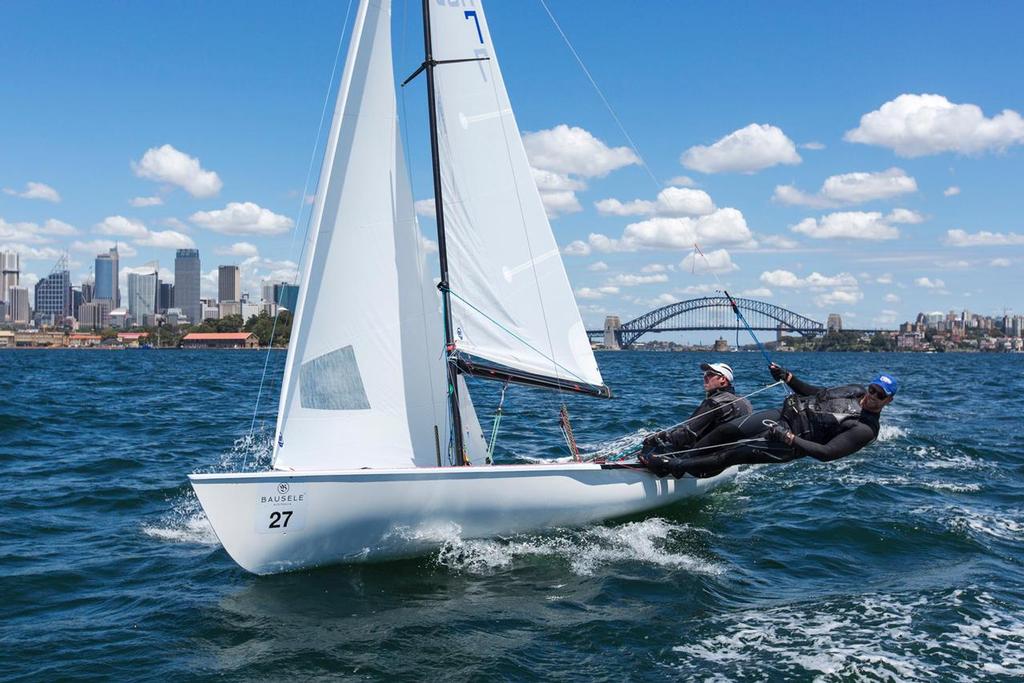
{"x":298,"y":216}
{"x":600,"y":94}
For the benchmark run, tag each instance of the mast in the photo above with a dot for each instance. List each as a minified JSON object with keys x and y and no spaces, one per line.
{"x":451,"y":369}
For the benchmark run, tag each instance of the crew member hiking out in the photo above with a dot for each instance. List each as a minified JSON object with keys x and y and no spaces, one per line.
{"x":720,"y":406}
{"x":823,"y":423}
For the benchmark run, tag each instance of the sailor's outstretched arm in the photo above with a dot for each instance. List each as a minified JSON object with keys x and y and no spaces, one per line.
{"x":798,"y":385}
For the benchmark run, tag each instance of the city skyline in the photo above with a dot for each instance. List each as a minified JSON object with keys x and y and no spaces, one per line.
{"x":871,"y":189}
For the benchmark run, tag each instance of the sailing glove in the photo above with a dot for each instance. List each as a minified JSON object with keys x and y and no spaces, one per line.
{"x":779,"y":373}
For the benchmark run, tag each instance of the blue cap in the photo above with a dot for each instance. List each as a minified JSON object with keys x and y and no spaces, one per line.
{"x":886,"y":383}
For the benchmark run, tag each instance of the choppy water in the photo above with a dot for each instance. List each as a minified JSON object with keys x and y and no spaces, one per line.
{"x":903,"y":562}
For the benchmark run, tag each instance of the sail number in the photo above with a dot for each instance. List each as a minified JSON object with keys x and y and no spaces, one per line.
{"x":280,"y":507}
{"x":279,"y":520}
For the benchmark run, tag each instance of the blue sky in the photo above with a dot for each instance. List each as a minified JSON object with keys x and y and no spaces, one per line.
{"x":864,"y":160}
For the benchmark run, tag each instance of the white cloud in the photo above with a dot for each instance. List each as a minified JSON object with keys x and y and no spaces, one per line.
{"x":850,"y":188}
{"x":34,"y":190}
{"x":573,"y":150}
{"x":928,"y":283}
{"x":951,"y":191}
{"x":1000,"y":263}
{"x":242,"y":218}
{"x":778,"y":241}
{"x":904,"y":216}
{"x":94,"y":247}
{"x":891,"y":298}
{"x":789,"y":280}
{"x":146,"y":201}
{"x":428,"y":245}
{"x":717,"y":261}
{"x":682,"y":181}
{"x":747,"y":150}
{"x":672,"y":201}
{"x":699,"y":289}
{"x":854,"y":225}
{"x":655,"y":268}
{"x":31,"y":253}
{"x":595,"y":293}
{"x":884,"y":279}
{"x":838,"y":296}
{"x":813,"y":146}
{"x":166,"y":239}
{"x":165,"y":164}
{"x":886,"y":317}
{"x":425,"y":207}
{"x":559,"y":203}
{"x":623,"y":280}
{"x":757,"y":292}
{"x":124,"y":227}
{"x":238,"y":249}
{"x":916,"y":125}
{"x":724,"y":226}
{"x":576,"y":248}
{"x":658,"y":301}
{"x":962,"y":238}
{"x":598,"y":266}
{"x":56,"y":227}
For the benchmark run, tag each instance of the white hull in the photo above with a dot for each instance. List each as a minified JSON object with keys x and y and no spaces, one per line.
{"x":280,"y":521}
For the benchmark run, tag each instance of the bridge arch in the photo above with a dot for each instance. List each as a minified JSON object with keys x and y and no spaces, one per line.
{"x":715,"y":313}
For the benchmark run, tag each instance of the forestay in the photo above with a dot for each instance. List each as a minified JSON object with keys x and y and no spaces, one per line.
{"x":513,"y":310}
{"x":364,"y":382}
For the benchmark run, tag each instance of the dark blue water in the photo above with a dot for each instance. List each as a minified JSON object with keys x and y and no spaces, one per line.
{"x":903,"y":562}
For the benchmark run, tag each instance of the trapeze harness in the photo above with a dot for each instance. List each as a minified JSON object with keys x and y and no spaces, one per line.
{"x":828,"y":423}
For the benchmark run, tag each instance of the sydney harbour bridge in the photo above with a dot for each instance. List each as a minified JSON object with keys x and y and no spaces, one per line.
{"x":708,"y":313}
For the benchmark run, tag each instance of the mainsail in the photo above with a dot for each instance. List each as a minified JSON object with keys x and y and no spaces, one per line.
{"x":364,"y":382}
{"x":514,"y":314}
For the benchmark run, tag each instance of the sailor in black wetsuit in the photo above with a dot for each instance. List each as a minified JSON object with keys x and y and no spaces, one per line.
{"x":720,"y":406}
{"x":824,"y":423}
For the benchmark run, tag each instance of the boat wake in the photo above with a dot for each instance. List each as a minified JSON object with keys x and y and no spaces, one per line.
{"x":653,"y":541}
{"x":884,"y":637}
{"x":185,"y":522}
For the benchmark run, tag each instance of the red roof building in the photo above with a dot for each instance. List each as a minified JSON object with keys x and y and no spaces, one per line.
{"x":220,"y":340}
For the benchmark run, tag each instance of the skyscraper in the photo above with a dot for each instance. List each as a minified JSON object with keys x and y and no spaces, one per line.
{"x":17,"y":305}
{"x":142,"y":294}
{"x":187,"y":271}
{"x":10,"y":269}
{"x":229,"y":284}
{"x":107,"y":286}
{"x":166,"y":297}
{"x":53,"y":295}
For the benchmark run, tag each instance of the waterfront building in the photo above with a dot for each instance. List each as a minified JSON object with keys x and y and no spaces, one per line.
{"x":133,"y":339}
{"x":3,"y":310}
{"x":187,"y":271}
{"x":220,"y":340}
{"x":835,"y":322}
{"x":229,"y":284}
{"x":249,"y":310}
{"x":94,"y":315}
{"x":226,"y":308}
{"x":288,"y":296}
{"x":720,"y":345}
{"x":17,"y":305}
{"x":88,"y":292}
{"x":166,"y":298}
{"x":119,"y":318}
{"x":107,"y":285}
{"x":53,"y":295}
{"x":81,"y":341}
{"x":142,"y":295}
{"x":174,"y":317}
{"x":211,"y":312}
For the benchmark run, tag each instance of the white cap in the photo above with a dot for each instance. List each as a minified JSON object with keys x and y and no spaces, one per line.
{"x":721,"y":368}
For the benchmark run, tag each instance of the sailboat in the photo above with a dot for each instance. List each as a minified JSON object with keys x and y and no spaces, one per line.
{"x":378,"y":452}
